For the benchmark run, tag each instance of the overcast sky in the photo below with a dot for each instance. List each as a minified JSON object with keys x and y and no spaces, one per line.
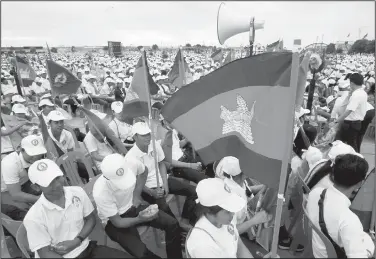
{"x":178,"y":23}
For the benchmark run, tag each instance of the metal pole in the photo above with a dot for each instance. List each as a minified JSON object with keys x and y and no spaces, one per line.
{"x":252,"y":36}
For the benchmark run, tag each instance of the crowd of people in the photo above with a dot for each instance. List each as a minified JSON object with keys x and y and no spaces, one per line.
{"x":222,"y":204}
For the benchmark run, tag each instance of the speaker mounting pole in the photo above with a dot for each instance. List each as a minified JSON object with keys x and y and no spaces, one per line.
{"x":251,"y":36}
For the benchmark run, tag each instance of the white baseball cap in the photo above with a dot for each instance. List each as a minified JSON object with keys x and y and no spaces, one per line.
{"x":301,"y":112}
{"x":140,"y":128}
{"x":45,"y":102}
{"x":117,"y":107}
{"x":340,"y":148}
{"x":120,"y":172}
{"x":33,"y":145}
{"x":55,"y":116}
{"x":11,"y":90}
{"x":18,"y":98}
{"x":43,"y":172}
{"x":229,"y":165}
{"x":19,"y":108}
{"x":214,"y":192}
{"x":48,"y":95}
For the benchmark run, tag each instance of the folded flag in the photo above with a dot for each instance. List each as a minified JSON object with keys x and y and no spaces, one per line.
{"x":25,"y":71}
{"x":217,"y":56}
{"x":272,"y":47}
{"x":179,"y":70}
{"x":115,"y":142}
{"x":240,"y":110}
{"x":62,"y":80}
{"x":137,"y":98}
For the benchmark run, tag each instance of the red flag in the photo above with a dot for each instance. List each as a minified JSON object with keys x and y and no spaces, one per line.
{"x":217,"y":56}
{"x":137,"y":100}
{"x":62,"y":80}
{"x":179,"y":71}
{"x":229,"y":112}
{"x":25,"y":71}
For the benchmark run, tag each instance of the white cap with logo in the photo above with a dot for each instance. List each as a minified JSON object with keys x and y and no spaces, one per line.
{"x":45,"y":102}
{"x":118,"y":171}
{"x":214,"y":192}
{"x":55,"y":116}
{"x":19,"y":108}
{"x":43,"y":172}
{"x":140,"y":128}
{"x":18,"y":98}
{"x":340,"y":148}
{"x":33,"y":145}
{"x":229,"y":165}
{"x":117,"y":107}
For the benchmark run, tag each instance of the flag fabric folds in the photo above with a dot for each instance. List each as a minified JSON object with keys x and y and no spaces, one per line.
{"x":228,"y":58}
{"x":302,"y":79}
{"x":365,"y":36}
{"x":217,"y":56}
{"x":179,"y":71}
{"x":137,"y":98}
{"x":62,"y":80}
{"x":275,"y":46}
{"x":239,"y":110}
{"x":25,"y":71}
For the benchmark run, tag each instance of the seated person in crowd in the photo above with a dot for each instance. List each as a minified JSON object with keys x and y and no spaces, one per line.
{"x":117,"y":194}
{"x":342,"y":227}
{"x":228,"y":169}
{"x":215,"y":234}
{"x":121,"y":129}
{"x":46,"y":106}
{"x":96,"y":145}
{"x":59,"y":223}
{"x":16,"y":188}
{"x":143,"y":151}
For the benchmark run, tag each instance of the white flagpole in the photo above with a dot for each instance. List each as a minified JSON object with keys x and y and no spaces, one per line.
{"x":285,"y":162}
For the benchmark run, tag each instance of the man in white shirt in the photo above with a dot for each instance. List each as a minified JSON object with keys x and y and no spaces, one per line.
{"x":351,"y":119}
{"x":46,"y":106}
{"x":341,"y":101}
{"x":45,"y":82}
{"x":59,"y":223}
{"x":121,"y":129}
{"x":338,"y":222}
{"x":16,"y":189}
{"x":63,"y":138}
{"x":117,"y":194}
{"x":143,"y":151}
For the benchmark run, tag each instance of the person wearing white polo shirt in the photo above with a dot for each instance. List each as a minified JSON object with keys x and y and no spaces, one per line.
{"x":215,"y":234}
{"x":328,"y":209}
{"x":16,"y":189}
{"x":351,"y":119}
{"x":63,"y":138}
{"x":117,"y":194}
{"x":341,"y":101}
{"x":37,"y":88}
{"x":46,"y":106}
{"x":59,"y":223}
{"x":121,"y":129}
{"x":143,"y":151}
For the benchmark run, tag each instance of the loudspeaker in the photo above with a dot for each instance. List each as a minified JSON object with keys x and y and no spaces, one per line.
{"x":230,"y":24}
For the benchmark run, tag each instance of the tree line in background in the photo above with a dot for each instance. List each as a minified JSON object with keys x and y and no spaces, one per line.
{"x":359,"y":46}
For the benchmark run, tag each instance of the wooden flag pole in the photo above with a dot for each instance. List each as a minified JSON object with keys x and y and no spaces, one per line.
{"x":150,"y":118}
{"x":285,"y":162}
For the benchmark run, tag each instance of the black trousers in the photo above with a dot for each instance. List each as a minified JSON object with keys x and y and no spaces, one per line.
{"x":97,"y":251}
{"x":72,"y":104}
{"x":130,"y":239}
{"x":364,"y":125}
{"x":188,"y":173}
{"x":177,"y":187}
{"x":349,"y":133}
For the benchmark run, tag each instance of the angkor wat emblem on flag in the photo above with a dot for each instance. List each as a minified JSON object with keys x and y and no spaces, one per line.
{"x":60,"y":80}
{"x":239,"y":120}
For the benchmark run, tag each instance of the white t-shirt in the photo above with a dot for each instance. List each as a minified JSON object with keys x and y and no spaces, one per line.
{"x":358,"y":105}
{"x":224,"y":245}
{"x":66,"y":140}
{"x":92,"y":145}
{"x":6,"y":143}
{"x":48,"y":224}
{"x":109,"y":199}
{"x":344,"y":227}
{"x":121,"y":129}
{"x":338,"y":107}
{"x":148,"y":160}
{"x":13,"y":170}
{"x":36,"y":88}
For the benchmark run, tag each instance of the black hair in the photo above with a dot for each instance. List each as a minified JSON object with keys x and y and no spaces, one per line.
{"x":349,"y":170}
{"x":202,"y":210}
{"x":299,"y":144}
{"x":347,"y":76}
{"x":356,"y":79}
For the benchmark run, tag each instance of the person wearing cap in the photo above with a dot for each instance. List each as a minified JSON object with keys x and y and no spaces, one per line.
{"x":46,"y":106}
{"x":328,"y":209}
{"x":117,"y":194}
{"x":119,"y":91}
{"x":215,"y":234}
{"x":95,"y":144}
{"x":229,"y":170}
{"x":18,"y":99}
{"x":59,"y":223}
{"x":16,"y":189}
{"x":350,"y":120}
{"x":59,"y":135}
{"x":45,"y":82}
{"x":143,"y":151}
{"x":121,"y":129}
{"x":37,"y":88}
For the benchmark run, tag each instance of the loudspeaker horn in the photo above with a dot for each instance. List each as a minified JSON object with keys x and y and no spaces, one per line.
{"x":230,"y":24}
